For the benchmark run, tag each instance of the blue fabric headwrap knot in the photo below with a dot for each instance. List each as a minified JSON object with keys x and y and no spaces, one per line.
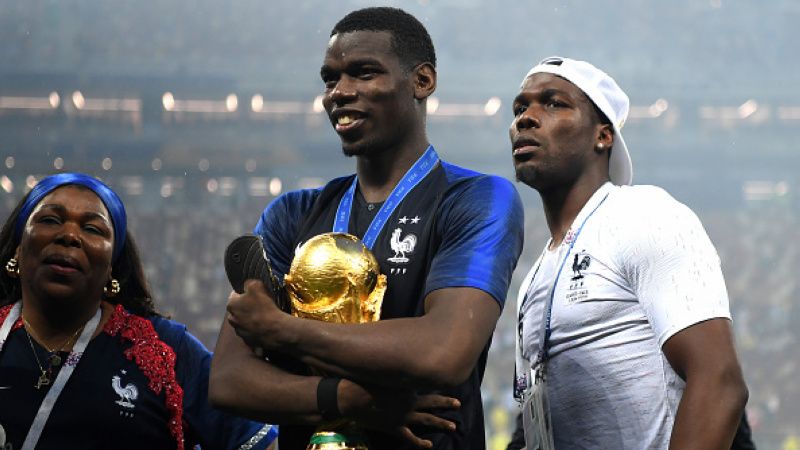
{"x":109,"y":198}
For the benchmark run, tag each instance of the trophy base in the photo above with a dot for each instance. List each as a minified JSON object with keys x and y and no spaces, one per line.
{"x":331,"y":440}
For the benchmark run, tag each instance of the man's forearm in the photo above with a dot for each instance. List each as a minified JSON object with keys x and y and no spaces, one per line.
{"x":385,"y":353}
{"x":246,"y":385}
{"x":709,"y":413}
{"x":437,"y":349}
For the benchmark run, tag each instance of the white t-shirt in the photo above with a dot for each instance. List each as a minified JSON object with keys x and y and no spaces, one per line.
{"x":641,"y":269}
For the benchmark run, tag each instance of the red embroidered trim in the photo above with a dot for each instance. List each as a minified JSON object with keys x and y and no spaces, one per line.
{"x":155,"y":359}
{"x":4,"y":311}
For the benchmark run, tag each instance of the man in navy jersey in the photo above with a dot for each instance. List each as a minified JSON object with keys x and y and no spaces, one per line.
{"x":447,"y":239}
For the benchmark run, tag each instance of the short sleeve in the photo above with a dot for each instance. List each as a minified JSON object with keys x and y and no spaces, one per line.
{"x":481,"y":227}
{"x":279,"y":225}
{"x":672,"y":265}
{"x":211,"y":428}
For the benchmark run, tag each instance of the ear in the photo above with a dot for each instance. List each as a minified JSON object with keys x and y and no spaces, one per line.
{"x":604,"y":138}
{"x":424,"y":79}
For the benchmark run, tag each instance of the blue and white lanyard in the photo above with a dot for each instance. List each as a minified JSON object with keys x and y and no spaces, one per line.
{"x":541,"y":358}
{"x":61,"y":379}
{"x":421,"y":168}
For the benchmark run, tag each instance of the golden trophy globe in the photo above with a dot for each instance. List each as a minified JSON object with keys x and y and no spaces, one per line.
{"x":335,"y":278}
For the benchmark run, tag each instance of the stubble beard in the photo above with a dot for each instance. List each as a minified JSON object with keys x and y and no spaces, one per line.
{"x":527,"y":175}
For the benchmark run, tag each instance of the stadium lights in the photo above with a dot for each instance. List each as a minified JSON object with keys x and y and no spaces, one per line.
{"x":317,"y":106}
{"x":231,"y":102}
{"x":747,"y":109}
{"x":106,"y":164}
{"x":652,"y":111}
{"x":13,"y":102}
{"x":275,"y":186}
{"x":81,"y":103}
{"x":10,"y":162}
{"x":789,"y":112}
{"x":168,"y":100}
{"x":212,"y":185}
{"x":257,"y":187}
{"x":432,"y":105}
{"x":166,"y":189}
{"x":54,"y":99}
{"x":58,"y":163}
{"x":227,"y":186}
{"x":764,"y":190}
{"x":133,"y":185}
{"x":492,"y":106}
{"x":261,"y":107}
{"x":7,"y":184}
{"x":658,"y":107}
{"x":77,"y":100}
{"x":229,"y":105}
{"x":257,"y":103}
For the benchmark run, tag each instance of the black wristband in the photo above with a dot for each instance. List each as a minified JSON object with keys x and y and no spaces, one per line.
{"x":327,"y":401}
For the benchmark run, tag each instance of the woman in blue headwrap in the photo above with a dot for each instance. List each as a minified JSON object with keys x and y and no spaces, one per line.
{"x":86,"y":362}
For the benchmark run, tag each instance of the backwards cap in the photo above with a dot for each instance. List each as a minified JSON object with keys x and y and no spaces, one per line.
{"x":607,"y":96}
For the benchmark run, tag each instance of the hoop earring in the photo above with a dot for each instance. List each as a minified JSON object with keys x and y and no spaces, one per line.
{"x":12,"y":268}
{"x":113,"y":290}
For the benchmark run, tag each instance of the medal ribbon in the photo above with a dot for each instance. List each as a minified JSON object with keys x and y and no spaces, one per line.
{"x":421,"y":168}
{"x":548,"y":313}
{"x":522,"y":376}
{"x":63,"y":375}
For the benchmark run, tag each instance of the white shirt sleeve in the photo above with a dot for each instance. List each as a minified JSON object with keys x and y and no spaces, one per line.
{"x":671,"y":264}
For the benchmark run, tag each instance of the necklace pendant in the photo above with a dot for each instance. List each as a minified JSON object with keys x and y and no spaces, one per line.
{"x":44,"y":380}
{"x":55,"y":360}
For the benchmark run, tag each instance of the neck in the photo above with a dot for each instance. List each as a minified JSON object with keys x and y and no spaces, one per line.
{"x":563,"y":204}
{"x":379,"y":174}
{"x":53,"y":325}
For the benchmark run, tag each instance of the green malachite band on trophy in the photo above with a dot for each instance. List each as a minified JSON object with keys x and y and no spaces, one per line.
{"x":330,"y":440}
{"x":327,"y":438}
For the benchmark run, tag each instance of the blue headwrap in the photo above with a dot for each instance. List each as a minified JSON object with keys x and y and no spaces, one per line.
{"x":109,"y":198}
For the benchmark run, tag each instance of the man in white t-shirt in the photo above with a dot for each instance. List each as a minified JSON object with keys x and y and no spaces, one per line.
{"x":626,"y":309}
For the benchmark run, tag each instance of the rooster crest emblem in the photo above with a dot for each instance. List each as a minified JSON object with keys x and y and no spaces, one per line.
{"x":401,"y":246}
{"x":127,"y":394}
{"x":579,"y":265}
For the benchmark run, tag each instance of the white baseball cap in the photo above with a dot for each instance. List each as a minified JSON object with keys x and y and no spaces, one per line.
{"x":607,"y":95}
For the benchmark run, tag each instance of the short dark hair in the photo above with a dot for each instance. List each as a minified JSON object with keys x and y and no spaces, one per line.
{"x":134,"y":294}
{"x":410,"y":39}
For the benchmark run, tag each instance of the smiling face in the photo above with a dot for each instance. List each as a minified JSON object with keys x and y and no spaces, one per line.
{"x":554,"y":133}
{"x":369,"y":96}
{"x":65,"y":252}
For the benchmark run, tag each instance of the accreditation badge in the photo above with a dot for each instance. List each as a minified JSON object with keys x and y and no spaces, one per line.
{"x":536,"y":413}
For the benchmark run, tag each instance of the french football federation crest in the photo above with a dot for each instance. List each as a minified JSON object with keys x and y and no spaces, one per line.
{"x":580,"y":264}
{"x":401,"y":246}
{"x":127,"y":394}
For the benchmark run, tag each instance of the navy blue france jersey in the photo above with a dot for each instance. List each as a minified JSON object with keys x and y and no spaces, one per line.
{"x":456,"y":228}
{"x":109,"y":401}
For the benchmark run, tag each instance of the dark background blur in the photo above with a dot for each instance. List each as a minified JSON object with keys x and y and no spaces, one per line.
{"x":200,"y":112}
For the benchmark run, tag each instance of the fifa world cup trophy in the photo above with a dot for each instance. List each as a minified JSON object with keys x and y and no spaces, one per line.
{"x":335,"y":278}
